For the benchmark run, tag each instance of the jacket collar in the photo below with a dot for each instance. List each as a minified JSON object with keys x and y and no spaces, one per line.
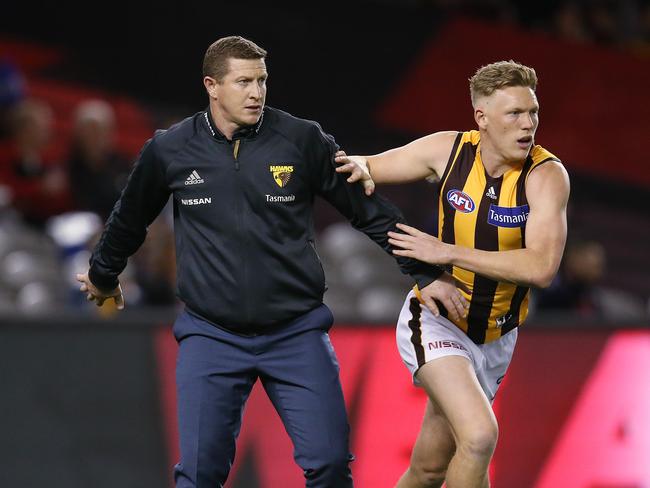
{"x":241,"y":133}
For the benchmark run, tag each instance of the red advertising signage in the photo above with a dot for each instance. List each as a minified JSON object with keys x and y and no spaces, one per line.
{"x":573,"y":412}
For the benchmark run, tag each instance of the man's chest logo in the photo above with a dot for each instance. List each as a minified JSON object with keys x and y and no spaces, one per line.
{"x":281,"y":174}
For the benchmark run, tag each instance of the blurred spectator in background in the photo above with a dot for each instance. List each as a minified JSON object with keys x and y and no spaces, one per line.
{"x":12,"y":91}
{"x":97,"y":171}
{"x":578,"y":287}
{"x":35,"y":181}
{"x":605,"y":22}
{"x":568,"y":22}
{"x":582,"y":269}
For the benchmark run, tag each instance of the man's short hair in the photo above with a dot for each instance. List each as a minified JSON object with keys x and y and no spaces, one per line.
{"x":215,"y":61}
{"x":495,"y":76}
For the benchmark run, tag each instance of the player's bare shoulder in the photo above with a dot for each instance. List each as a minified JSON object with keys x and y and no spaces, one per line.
{"x":548,"y":180}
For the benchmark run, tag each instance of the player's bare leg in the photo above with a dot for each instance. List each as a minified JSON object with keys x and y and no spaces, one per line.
{"x":452,"y":385}
{"x":432,"y":452}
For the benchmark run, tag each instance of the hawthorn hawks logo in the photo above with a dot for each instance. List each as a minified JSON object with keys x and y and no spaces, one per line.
{"x":281,"y":174}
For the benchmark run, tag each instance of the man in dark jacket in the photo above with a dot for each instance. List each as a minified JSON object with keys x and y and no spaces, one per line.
{"x":243,"y":179}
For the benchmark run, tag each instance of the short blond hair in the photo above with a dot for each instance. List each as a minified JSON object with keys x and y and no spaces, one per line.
{"x":495,"y":76}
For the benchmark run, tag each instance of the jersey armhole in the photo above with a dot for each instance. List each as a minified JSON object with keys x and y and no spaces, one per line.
{"x":452,"y":158}
{"x":551,"y":158}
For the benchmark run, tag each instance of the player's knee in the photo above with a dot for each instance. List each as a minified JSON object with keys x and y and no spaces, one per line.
{"x":481,"y":442}
{"x":431,"y":476}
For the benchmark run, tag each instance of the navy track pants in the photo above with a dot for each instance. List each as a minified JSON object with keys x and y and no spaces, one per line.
{"x":296,"y":364}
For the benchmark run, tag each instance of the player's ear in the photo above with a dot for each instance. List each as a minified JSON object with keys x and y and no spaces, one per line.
{"x":480,"y":117}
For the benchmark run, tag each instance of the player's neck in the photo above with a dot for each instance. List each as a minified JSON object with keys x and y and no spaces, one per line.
{"x":494,"y":162}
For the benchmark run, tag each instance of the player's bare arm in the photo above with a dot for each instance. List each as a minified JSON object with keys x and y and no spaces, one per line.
{"x":415,"y":161}
{"x":547,"y":190}
{"x":420,"y":159}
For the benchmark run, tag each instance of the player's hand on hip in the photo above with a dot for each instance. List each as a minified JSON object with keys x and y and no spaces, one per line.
{"x":99,"y":297}
{"x":419,"y":245}
{"x":357,"y":166}
{"x":447,"y":291}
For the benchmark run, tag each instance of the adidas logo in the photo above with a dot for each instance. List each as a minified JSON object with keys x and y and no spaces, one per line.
{"x":490,"y":193}
{"x":194,"y":179}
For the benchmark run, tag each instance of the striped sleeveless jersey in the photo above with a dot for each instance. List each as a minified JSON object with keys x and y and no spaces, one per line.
{"x":481,"y":212}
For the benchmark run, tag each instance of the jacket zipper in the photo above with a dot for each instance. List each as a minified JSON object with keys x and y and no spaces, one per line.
{"x":235,"y":153}
{"x":244,"y":247}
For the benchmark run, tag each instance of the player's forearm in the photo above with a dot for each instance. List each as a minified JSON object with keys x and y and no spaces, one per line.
{"x":375,"y":166}
{"x":526,"y":267}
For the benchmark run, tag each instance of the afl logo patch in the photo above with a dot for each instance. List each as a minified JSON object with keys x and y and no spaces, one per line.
{"x":461,"y":201}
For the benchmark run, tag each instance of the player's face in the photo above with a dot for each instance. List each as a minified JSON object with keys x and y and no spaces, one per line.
{"x":509,"y":120}
{"x":241,"y":93}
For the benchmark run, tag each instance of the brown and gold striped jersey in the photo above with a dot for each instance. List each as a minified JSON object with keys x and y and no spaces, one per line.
{"x":481,"y":212}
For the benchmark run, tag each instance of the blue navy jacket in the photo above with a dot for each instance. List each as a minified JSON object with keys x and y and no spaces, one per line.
{"x":243,"y":217}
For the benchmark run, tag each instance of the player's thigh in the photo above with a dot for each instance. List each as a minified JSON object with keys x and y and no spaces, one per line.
{"x":451,"y":383}
{"x":497,"y":355}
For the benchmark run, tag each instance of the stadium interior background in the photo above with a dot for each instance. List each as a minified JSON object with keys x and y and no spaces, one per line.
{"x":87,"y":395}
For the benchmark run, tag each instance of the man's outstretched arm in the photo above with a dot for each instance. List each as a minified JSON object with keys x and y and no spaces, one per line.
{"x":420,"y":159}
{"x":375,"y":216}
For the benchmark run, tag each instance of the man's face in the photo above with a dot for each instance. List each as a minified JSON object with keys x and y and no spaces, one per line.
{"x":509,"y":118}
{"x":241,"y":93}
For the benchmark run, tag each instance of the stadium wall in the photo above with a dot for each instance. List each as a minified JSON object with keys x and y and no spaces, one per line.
{"x":91,"y":402}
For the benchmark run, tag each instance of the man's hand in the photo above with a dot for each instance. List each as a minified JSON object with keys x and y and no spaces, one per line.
{"x":94,"y":294}
{"x":357,"y":166}
{"x":446,"y":290}
{"x":419,"y":245}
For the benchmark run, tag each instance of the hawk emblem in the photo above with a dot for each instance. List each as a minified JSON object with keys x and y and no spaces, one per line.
{"x":281,"y":174}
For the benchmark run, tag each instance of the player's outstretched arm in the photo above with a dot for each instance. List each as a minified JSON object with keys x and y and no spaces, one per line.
{"x":547,"y":190}
{"x":99,"y":297}
{"x":415,"y":161}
